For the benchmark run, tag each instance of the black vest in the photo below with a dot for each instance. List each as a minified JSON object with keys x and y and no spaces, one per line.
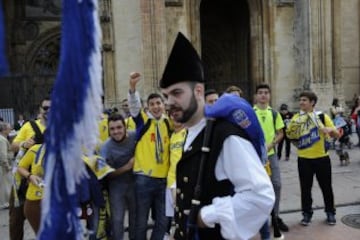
{"x":186,"y":175}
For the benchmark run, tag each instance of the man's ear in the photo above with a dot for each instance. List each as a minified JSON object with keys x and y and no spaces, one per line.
{"x":199,"y":90}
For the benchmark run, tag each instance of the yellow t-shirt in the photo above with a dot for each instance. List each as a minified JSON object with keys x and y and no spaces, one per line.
{"x":103,"y":128}
{"x":176,"y":146}
{"x":130,"y":124}
{"x":26,"y":131}
{"x":265,"y":117}
{"x":145,"y":151}
{"x":34,"y":192}
{"x":317,"y":149}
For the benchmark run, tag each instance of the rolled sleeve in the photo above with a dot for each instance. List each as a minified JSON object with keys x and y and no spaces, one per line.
{"x":134,"y":103}
{"x":241,"y":215}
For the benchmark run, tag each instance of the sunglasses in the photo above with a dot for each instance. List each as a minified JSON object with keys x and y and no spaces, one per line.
{"x":45,"y":108}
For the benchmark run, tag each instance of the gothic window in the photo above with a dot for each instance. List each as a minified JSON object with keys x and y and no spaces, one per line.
{"x":46,"y":58}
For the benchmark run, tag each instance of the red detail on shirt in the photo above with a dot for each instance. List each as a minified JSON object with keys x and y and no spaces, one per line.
{"x":152,"y":137}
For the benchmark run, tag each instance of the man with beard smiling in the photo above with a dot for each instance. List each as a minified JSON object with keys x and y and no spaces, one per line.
{"x":237,"y":195}
{"x":152,"y":154}
{"x":118,"y":151}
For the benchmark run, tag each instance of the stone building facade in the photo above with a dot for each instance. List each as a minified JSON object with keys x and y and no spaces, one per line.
{"x":292,"y":45}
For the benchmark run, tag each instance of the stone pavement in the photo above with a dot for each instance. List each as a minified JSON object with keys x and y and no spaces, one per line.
{"x":346,"y":183}
{"x":346,"y":186}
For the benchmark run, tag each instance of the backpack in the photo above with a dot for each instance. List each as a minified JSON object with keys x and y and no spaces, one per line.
{"x":322,"y":118}
{"x":274,"y":115}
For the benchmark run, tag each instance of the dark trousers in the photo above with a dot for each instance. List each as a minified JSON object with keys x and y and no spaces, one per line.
{"x":287,"y":147}
{"x":321,"y":168}
{"x":32,"y":211}
{"x":16,"y":219}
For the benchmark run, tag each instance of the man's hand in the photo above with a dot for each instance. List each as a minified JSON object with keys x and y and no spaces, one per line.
{"x":270,"y":146}
{"x":200,"y":222}
{"x":28,"y":143}
{"x":134,"y":79}
{"x":331,"y":131}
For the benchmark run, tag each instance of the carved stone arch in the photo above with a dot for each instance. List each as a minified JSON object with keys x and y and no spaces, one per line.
{"x":44,"y":53}
{"x":41,"y":63}
{"x":259,"y":37}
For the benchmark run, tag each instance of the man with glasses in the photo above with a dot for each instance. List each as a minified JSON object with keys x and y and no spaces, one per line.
{"x":30,"y":133}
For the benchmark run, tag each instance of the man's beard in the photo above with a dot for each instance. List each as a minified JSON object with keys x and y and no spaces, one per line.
{"x":188,"y":113}
{"x":119,"y":141}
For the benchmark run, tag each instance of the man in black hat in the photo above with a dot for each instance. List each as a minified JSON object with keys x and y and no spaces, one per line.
{"x":286,"y":115}
{"x":237,"y":195}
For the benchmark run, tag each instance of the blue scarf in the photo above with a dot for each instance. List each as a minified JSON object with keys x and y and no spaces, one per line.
{"x":239,"y":112}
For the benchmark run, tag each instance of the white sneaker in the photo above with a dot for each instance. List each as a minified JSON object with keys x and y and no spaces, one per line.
{"x":167,"y":236}
{"x":279,"y":238}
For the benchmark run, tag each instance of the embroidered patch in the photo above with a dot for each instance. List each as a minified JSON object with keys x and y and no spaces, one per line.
{"x":241,"y":118}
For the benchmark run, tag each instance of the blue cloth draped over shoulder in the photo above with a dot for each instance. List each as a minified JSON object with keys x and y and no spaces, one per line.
{"x":239,"y":112}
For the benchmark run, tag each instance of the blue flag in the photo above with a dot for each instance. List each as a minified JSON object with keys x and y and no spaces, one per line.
{"x":239,"y":112}
{"x":3,"y":62}
{"x":72,"y":124}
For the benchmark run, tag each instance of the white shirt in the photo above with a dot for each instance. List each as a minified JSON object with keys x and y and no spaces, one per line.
{"x":241,"y":215}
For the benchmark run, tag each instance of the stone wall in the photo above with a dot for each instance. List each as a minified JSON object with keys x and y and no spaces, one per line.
{"x":294,"y":45}
{"x":285,"y":77}
{"x":350,"y":47}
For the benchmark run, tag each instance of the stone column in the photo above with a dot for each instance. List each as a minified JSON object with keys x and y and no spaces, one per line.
{"x":322,"y":52}
{"x":154,"y":43}
{"x":336,"y":47}
{"x":127,"y":25}
{"x":109,"y":81}
{"x":314,"y":57}
{"x":302,"y":45}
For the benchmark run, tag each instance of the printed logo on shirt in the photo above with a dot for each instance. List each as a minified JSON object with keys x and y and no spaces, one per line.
{"x":241,"y":118}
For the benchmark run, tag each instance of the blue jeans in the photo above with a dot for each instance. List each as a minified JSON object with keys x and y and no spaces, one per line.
{"x":265,"y":231}
{"x":122,"y":197}
{"x":150,"y":193}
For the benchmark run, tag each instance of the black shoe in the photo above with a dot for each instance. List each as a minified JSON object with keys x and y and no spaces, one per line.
{"x":306,"y":220}
{"x":330,"y":219}
{"x":282,"y":226}
{"x":277,"y":233}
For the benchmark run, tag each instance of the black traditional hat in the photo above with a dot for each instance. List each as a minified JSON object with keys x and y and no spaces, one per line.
{"x":184,"y":64}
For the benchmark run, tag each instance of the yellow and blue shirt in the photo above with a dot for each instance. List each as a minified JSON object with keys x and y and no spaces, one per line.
{"x":152,"y":152}
{"x":34,"y":158}
{"x":304,"y":128}
{"x":176,"y":147}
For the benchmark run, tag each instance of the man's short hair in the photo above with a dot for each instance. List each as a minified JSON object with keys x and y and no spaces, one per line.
{"x":234,"y":88}
{"x":262,"y":86}
{"x":116,"y":117}
{"x":210,"y":91}
{"x":310,"y":95}
{"x":154,"y":95}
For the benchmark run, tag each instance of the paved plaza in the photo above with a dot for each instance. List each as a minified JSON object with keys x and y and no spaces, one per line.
{"x":346,"y":182}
